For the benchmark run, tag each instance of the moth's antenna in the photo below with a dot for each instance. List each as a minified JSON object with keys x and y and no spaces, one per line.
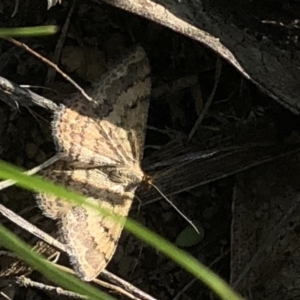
{"x":175,"y":207}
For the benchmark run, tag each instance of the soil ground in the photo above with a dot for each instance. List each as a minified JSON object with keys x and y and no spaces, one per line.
{"x":98,"y":34}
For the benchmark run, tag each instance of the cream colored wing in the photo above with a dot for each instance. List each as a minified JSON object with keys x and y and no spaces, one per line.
{"x":78,"y":136}
{"x":111,"y":130}
{"x":107,"y":132}
{"x":127,"y":89}
{"x":92,"y":238}
{"x":52,"y":206}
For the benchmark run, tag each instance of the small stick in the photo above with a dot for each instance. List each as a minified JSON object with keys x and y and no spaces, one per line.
{"x":14,"y":96}
{"x":115,"y":288}
{"x":5,"y":296}
{"x":210,"y":99}
{"x":126,"y":285}
{"x":49,"y":63}
{"x":121,"y":287}
{"x":32,"y":228}
{"x":57,"y":52}
{"x":128,"y":288}
{"x":26,"y":282}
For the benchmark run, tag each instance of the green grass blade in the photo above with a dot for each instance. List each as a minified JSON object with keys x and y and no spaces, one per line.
{"x":36,"y":261}
{"x":28,"y":31}
{"x":182,"y":258}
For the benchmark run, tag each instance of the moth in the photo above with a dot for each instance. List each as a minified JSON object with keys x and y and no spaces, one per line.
{"x":101,"y":143}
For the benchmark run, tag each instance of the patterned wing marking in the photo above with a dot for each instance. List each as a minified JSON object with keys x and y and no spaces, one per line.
{"x":98,"y":133}
{"x":92,"y":238}
{"x":102,"y":143}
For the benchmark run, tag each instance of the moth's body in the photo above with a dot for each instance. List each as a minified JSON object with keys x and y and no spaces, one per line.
{"x":101,"y":144}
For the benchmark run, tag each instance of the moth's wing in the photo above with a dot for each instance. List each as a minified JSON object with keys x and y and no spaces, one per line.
{"x":78,"y":136}
{"x":92,"y":238}
{"x":125,"y":89}
{"x":52,"y":206}
{"x":112,"y":129}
